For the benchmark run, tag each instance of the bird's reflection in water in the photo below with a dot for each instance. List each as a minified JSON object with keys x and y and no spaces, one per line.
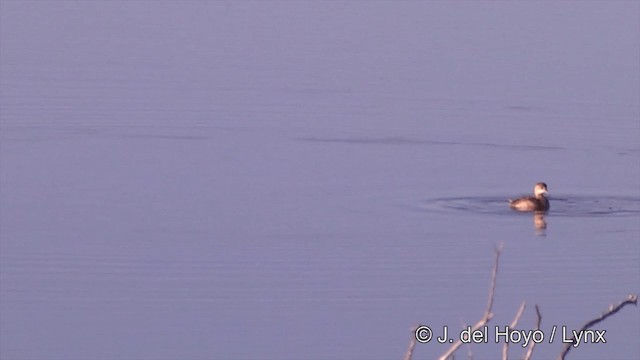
{"x":540,"y":223}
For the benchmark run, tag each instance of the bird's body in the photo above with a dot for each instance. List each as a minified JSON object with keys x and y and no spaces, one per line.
{"x":537,"y":202}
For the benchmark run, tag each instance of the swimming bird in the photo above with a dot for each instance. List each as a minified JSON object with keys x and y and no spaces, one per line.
{"x":537,"y":202}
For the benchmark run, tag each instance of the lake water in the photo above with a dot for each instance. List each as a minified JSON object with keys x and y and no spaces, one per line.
{"x":309,"y":180}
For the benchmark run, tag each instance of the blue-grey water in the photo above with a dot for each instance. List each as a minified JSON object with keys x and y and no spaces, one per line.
{"x":309,"y":180}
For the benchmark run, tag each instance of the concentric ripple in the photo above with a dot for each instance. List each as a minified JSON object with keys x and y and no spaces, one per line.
{"x":569,"y":205}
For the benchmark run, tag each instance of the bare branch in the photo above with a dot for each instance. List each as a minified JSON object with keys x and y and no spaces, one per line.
{"x":488,"y":313}
{"x":412,"y":344}
{"x":514,"y":323}
{"x":631,"y":299}
{"x":468,"y":347}
{"x":469,"y":352}
{"x":527,"y":356}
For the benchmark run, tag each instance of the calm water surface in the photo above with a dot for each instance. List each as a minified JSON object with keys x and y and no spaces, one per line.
{"x":308,"y":180}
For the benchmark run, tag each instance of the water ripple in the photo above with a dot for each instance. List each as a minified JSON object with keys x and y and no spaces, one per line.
{"x":569,"y":205}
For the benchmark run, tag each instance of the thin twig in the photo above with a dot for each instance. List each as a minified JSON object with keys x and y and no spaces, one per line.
{"x":488,"y":313}
{"x":469,"y":348}
{"x":527,"y":356}
{"x":463,"y":325}
{"x":412,"y":344}
{"x":631,"y":299}
{"x":514,"y":323}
